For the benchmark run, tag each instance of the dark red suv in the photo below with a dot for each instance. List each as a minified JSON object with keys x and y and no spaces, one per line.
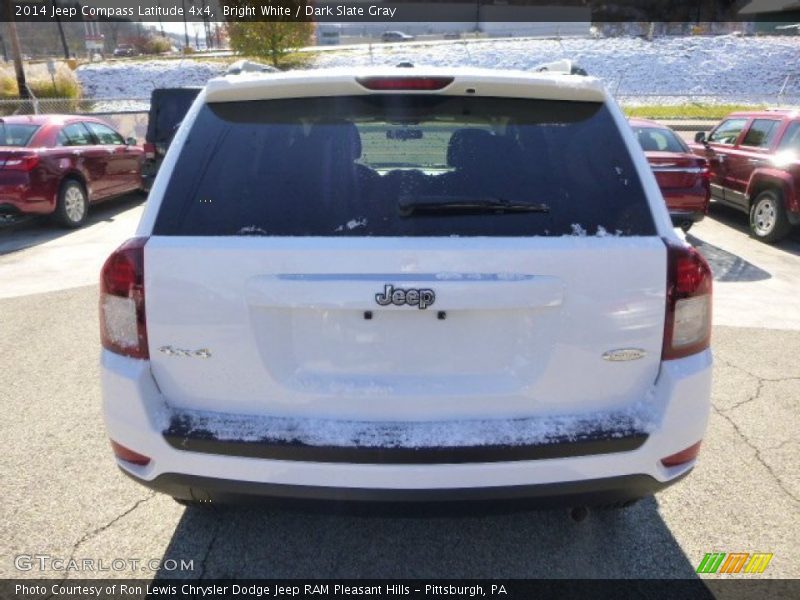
{"x":754,"y":159}
{"x":59,"y":164}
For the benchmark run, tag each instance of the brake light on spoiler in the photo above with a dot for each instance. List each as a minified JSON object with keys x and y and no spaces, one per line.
{"x":416,"y":84}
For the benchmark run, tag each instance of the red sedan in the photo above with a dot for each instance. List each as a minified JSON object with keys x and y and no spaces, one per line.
{"x":60,"y":164}
{"x":682,"y":176}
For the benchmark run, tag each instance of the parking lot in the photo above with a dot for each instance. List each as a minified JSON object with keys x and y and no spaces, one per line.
{"x":65,"y":498}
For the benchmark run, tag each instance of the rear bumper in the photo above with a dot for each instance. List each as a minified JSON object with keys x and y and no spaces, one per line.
{"x":690,"y":216}
{"x":590,"y":471}
{"x":23,"y":199}
{"x":188,"y":434}
{"x":594,"y":492}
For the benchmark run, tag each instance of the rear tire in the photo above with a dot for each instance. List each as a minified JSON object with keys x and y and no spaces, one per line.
{"x":768,"y":220}
{"x":72,"y":206}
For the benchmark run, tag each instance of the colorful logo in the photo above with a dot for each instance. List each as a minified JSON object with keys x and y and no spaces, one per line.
{"x":736,"y":562}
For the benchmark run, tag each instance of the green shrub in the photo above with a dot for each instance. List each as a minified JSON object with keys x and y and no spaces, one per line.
{"x":64,"y":84}
{"x":157,"y":45}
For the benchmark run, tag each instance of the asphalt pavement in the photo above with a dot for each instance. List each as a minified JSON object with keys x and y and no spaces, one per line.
{"x":65,"y":498}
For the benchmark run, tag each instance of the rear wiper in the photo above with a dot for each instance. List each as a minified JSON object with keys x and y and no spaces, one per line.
{"x":433,"y":205}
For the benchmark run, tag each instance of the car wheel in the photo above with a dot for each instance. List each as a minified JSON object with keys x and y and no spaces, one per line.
{"x":768,"y":220}
{"x":72,"y":207}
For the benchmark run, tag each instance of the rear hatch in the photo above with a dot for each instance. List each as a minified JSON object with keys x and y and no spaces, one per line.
{"x":677,"y":171}
{"x":405,"y":256}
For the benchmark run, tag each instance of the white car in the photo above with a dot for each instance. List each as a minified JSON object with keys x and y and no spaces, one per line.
{"x":406,"y":285}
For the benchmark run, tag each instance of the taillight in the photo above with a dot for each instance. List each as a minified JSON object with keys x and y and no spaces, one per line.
{"x":128,"y":455}
{"x":682,"y":457}
{"x":706,"y":175}
{"x":687,"y":326}
{"x":123,"y":328}
{"x":149,"y":150}
{"x":25,"y":162}
{"x":404,"y":83}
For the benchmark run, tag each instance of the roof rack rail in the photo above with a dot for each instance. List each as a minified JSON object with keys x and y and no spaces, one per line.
{"x":249,"y":66}
{"x":564,"y":65}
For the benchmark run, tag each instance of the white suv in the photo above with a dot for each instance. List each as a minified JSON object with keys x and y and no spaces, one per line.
{"x":406,"y":284}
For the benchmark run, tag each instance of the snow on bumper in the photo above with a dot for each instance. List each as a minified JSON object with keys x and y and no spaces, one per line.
{"x":137,"y":416}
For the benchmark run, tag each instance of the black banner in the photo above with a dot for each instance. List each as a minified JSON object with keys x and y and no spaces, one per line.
{"x":402,"y":11}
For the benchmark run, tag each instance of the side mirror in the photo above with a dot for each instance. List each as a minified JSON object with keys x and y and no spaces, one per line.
{"x":131,"y":141}
{"x":700,"y":137}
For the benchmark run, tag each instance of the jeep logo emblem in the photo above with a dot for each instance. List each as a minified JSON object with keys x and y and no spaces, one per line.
{"x":422,"y":298}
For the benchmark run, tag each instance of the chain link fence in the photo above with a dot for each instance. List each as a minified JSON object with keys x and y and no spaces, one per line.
{"x":126,"y":115}
{"x":72,"y":106}
{"x":129,"y":115}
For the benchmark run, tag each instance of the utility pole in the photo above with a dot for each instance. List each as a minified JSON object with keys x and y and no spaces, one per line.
{"x":160,"y":22}
{"x":3,"y":44}
{"x":15,"y":50}
{"x":206,"y":27}
{"x":61,"y":32}
{"x":185,"y":25}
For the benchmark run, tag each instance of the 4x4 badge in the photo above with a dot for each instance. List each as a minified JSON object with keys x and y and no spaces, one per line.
{"x":170,"y":351}
{"x":421,"y":298}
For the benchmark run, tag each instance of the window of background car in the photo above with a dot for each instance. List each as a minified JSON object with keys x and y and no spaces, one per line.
{"x":653,"y":139}
{"x":727,"y":132}
{"x":75,"y":134}
{"x":791,"y":138}
{"x":277,"y":167}
{"x":105,"y":135}
{"x":16,"y":134}
{"x":761,"y":133}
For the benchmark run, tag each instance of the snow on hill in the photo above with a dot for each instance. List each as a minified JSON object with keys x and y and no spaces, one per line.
{"x":734,"y":68}
{"x":724,"y":65}
{"x":136,"y":79}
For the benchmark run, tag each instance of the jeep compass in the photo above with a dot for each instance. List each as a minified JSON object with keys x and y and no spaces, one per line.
{"x":406,"y":284}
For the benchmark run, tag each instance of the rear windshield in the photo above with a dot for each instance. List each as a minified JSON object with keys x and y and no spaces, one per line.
{"x":658,"y":139}
{"x":404,"y":165}
{"x":16,"y":134}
